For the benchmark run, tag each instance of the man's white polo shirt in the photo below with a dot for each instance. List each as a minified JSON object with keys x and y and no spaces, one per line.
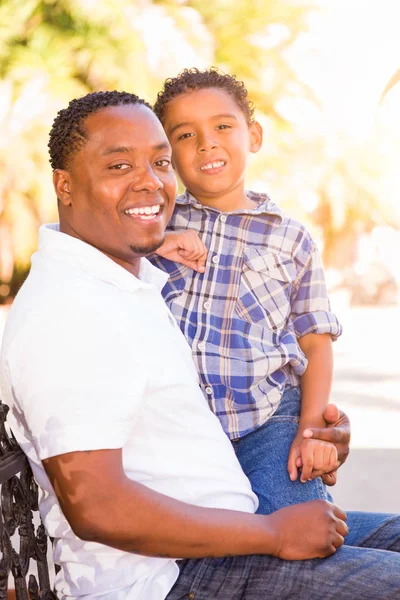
{"x":92,"y":359}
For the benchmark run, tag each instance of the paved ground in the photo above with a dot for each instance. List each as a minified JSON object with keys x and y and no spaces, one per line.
{"x":367,"y":387}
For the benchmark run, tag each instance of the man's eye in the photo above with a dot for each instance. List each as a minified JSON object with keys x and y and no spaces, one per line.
{"x":164,"y":162}
{"x":184,"y":136}
{"x":120,"y":167}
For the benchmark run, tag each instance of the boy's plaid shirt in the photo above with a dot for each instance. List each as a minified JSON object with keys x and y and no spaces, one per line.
{"x":263,"y":288}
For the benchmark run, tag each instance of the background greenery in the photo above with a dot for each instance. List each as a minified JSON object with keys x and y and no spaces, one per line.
{"x":54,"y":50}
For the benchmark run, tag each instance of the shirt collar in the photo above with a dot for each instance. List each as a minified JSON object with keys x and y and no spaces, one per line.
{"x":263,"y":204}
{"x":56,"y":245}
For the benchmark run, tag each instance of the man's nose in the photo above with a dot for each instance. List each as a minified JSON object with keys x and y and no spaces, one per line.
{"x":147,"y":180}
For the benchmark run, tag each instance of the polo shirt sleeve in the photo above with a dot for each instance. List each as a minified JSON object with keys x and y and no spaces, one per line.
{"x":79,"y":381}
{"x":310,"y":306}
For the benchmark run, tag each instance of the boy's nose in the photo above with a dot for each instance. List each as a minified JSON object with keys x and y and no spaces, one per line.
{"x":206,"y":143}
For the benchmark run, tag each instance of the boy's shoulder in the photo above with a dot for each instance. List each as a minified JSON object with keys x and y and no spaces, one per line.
{"x":277,"y":224}
{"x":285,"y":237}
{"x":282,"y":222}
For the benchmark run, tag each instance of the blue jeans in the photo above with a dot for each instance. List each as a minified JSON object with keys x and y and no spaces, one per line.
{"x":367,"y":567}
{"x":349,"y":574}
{"x":263,"y":456}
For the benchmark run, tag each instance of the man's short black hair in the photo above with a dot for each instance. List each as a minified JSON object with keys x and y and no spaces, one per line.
{"x":189,"y":80}
{"x":68,"y":134}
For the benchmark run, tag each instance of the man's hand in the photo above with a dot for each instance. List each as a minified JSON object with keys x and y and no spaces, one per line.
{"x":310,"y":530}
{"x":314,"y":457}
{"x":184,"y":247}
{"x":337,"y":432}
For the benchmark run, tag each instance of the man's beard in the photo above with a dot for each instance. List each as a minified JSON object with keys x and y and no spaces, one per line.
{"x":144,"y":250}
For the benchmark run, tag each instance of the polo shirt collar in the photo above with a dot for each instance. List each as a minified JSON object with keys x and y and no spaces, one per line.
{"x":54,"y":244}
{"x":263,"y":204}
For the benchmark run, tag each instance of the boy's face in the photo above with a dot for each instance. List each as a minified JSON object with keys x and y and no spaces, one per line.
{"x":211,"y":141}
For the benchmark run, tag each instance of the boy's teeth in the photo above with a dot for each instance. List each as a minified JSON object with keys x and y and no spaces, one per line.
{"x":213,"y":165}
{"x":144,"y":210}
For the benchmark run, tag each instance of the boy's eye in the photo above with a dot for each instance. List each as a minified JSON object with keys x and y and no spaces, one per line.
{"x":224,"y":126}
{"x":164,"y":162}
{"x":184,"y":136}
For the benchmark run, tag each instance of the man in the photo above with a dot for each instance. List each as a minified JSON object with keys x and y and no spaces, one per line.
{"x":133,"y":466}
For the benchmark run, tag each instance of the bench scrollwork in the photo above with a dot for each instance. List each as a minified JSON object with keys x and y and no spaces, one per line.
{"x":19,"y":500}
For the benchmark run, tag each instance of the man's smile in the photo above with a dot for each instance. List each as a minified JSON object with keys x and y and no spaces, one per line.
{"x":144,"y":213}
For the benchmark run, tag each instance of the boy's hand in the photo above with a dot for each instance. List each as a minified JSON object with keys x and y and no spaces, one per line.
{"x":313,"y":529}
{"x":314,"y":457}
{"x":184,"y":247}
{"x":337,"y":432}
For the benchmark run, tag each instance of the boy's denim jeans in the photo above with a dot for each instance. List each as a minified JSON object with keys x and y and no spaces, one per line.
{"x":263,"y":455}
{"x":366,"y":568}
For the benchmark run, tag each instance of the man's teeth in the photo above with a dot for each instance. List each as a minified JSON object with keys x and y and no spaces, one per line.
{"x":213,"y":165}
{"x":147,"y":211}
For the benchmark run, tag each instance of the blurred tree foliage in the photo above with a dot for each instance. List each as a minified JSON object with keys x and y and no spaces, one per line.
{"x":54,"y":50}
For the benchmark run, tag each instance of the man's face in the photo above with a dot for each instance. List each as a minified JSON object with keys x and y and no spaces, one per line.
{"x":210,"y":140}
{"x":119,"y":190}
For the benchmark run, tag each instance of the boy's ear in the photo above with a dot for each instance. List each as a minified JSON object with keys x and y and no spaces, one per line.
{"x":61,"y":182}
{"x":256,"y":136}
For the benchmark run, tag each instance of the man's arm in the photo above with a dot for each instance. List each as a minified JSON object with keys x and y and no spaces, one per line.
{"x":103,"y":505}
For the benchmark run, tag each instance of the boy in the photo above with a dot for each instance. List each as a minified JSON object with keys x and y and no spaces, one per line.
{"x":258,"y":319}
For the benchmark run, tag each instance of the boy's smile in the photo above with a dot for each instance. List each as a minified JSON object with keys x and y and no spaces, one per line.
{"x":211,"y":141}
{"x":213,"y":167}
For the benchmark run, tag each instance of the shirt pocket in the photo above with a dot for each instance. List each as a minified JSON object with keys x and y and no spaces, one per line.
{"x":265,"y":288}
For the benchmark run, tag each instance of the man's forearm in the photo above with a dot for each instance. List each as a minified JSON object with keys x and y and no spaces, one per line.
{"x":110,"y":508}
{"x":145,"y":522}
{"x":103,"y":505}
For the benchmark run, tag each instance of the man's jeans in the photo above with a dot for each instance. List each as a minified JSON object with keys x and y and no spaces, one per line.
{"x":366,"y":568}
{"x":355,"y":572}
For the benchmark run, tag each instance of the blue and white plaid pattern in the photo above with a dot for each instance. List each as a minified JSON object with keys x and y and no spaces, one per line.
{"x":263,"y":288}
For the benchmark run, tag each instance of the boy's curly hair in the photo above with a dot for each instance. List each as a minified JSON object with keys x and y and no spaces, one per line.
{"x":193,"y":79}
{"x":68,"y":135}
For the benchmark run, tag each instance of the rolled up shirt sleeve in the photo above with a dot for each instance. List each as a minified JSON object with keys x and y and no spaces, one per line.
{"x":311,"y":311}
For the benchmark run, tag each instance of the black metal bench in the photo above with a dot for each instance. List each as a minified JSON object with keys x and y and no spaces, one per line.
{"x":19,"y":502}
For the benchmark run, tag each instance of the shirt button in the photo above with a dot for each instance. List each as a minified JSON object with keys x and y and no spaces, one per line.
{"x":191,"y":596}
{"x":215,"y":259}
{"x":209,"y":390}
{"x":223,"y":218}
{"x":201,"y":346}
{"x":207,"y":305}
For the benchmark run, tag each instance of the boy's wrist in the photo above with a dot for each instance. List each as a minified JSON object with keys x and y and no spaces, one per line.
{"x":309,"y":421}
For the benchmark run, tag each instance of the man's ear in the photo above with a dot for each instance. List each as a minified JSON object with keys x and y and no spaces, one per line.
{"x":256,"y":136}
{"x":61,"y":182}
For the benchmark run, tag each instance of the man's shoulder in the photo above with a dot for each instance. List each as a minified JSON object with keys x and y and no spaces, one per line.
{"x":54,"y":301}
